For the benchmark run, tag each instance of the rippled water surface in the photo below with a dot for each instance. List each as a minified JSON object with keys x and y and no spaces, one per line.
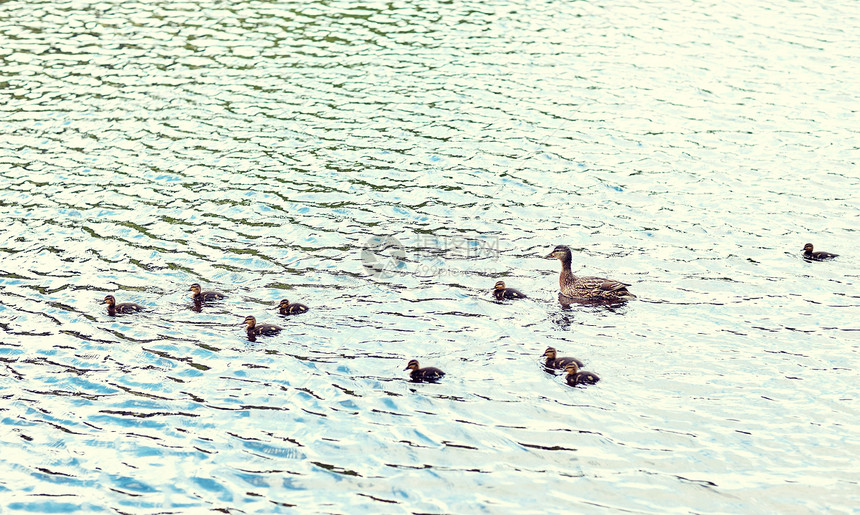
{"x":385,"y":163}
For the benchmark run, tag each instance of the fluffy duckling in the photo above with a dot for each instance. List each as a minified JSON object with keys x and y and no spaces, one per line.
{"x":255,"y":329}
{"x":285,"y":308}
{"x":816,"y":256}
{"x":123,"y":308}
{"x":575,"y":376}
{"x":591,"y":288}
{"x":420,"y":375}
{"x":204,"y":296}
{"x":501,"y":292}
{"x":552,"y":361}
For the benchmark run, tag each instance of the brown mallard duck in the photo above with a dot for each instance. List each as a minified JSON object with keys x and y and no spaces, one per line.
{"x":590,"y":288}
{"x":255,"y":329}
{"x":420,"y":375}
{"x":285,"y":308}
{"x":500,"y":291}
{"x":552,"y":361}
{"x":816,"y":256}
{"x":122,"y":308}
{"x":204,"y":296}
{"x":576,"y":376}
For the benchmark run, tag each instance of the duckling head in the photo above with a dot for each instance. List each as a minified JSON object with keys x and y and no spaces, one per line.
{"x":195,"y":288}
{"x":250,"y":322}
{"x":571,"y":369}
{"x":284,"y":304}
{"x":560,"y":252}
{"x":807,"y":247}
{"x":549,"y":352}
{"x":500,"y":285}
{"x":109,"y":300}
{"x":413,"y":365}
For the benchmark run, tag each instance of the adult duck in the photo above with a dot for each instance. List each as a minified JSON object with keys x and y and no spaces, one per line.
{"x":588,"y":288}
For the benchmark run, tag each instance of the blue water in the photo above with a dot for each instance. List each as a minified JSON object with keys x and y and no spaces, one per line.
{"x":386,"y":164}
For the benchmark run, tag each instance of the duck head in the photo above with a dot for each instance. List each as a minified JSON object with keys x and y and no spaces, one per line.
{"x":807,"y":248}
{"x":500,"y":285}
{"x":109,"y":300}
{"x":549,"y":352}
{"x":413,"y":365}
{"x":250,"y":322}
{"x":561,"y":252}
{"x":195,"y":289}
{"x":571,"y":369}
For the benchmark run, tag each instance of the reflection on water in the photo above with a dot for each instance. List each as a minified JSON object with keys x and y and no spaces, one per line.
{"x":387,"y":165}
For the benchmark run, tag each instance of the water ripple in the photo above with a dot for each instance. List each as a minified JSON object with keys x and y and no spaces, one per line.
{"x":265,"y":149}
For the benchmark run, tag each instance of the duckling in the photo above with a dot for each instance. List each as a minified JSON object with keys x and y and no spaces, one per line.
{"x":576,"y":376}
{"x":816,"y":256}
{"x":419,"y":375}
{"x":591,"y":288}
{"x":261,"y":329}
{"x":285,"y":308}
{"x":560,"y":363}
{"x":501,"y":292}
{"x":124,"y":308}
{"x":204,"y":296}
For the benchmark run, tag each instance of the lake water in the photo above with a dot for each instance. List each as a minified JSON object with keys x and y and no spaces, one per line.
{"x":386,"y":163}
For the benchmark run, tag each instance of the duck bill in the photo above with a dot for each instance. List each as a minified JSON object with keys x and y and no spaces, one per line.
{"x":550,"y":256}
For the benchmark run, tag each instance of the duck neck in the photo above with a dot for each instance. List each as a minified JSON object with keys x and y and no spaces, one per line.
{"x":566,"y":260}
{"x":111,"y":310}
{"x":566,"y":274}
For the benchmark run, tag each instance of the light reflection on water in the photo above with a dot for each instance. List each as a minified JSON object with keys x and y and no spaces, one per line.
{"x":257,"y":148}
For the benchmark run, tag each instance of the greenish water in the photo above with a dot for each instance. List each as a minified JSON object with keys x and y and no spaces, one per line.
{"x":386,"y":164}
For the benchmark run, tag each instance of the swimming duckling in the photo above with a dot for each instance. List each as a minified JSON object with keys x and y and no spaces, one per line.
{"x":420,"y":375}
{"x":500,"y":292}
{"x":204,"y":296}
{"x":576,"y":376}
{"x":124,"y":308}
{"x":816,"y":256}
{"x":261,"y":329}
{"x":592,"y":288}
{"x":560,"y":363}
{"x":285,"y":308}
